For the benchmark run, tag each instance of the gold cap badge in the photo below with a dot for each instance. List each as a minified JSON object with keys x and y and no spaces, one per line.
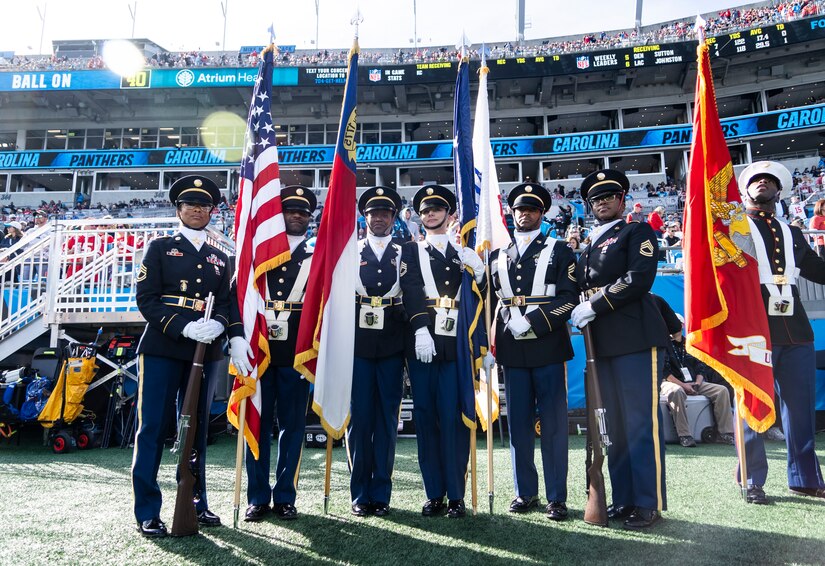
{"x":429,"y":191}
{"x":528,"y":189}
{"x":198,"y":182}
{"x":299,"y":192}
{"x":600,"y":176}
{"x":379,"y":192}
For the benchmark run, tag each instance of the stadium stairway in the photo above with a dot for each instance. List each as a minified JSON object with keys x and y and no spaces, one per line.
{"x":95,"y":261}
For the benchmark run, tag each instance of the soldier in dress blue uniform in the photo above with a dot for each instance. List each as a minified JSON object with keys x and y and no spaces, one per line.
{"x":783,"y":255}
{"x":536,"y":288}
{"x":431,"y":273}
{"x":284,"y":391}
{"x":617,"y":270}
{"x":176,"y":275}
{"x":377,"y":377}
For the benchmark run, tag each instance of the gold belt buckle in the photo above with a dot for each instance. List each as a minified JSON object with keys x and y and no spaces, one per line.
{"x":376,"y":302}
{"x":780,"y":280}
{"x":198,"y":305}
{"x":445,"y":303}
{"x":519,"y":301}
{"x":278,"y":305}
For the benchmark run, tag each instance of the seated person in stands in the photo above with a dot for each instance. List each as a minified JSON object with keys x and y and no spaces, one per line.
{"x":574,"y":238}
{"x":637,"y":215}
{"x":685,"y":376}
{"x":672,"y":237}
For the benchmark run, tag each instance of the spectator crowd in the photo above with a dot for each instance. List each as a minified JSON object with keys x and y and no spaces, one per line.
{"x":726,"y":21}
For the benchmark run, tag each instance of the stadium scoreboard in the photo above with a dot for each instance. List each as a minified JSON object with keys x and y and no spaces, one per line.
{"x":652,"y":55}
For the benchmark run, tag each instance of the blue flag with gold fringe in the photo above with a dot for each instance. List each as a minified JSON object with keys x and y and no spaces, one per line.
{"x":470,"y":332}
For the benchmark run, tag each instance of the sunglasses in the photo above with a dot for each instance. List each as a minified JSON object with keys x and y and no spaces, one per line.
{"x":609,"y":197}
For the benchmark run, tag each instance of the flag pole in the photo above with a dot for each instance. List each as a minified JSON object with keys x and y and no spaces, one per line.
{"x":488,"y":323}
{"x":740,"y":445}
{"x":327,"y":473}
{"x":239,"y":452}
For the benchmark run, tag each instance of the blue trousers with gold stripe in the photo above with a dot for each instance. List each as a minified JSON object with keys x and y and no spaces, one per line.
{"x":443,"y":438}
{"x":794,"y":371}
{"x":284,"y":393}
{"x":527,"y":389}
{"x":636,"y":457}
{"x":161,"y":381}
{"x":377,"y":385}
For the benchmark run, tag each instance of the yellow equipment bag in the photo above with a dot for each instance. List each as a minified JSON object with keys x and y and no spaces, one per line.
{"x":75,"y":377}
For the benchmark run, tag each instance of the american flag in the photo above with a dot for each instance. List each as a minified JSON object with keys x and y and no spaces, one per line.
{"x":261,"y":244}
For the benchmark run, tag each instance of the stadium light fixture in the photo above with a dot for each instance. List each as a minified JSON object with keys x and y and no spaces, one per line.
{"x":42,"y":26}
{"x":224,"y":8}
{"x":133,"y":14}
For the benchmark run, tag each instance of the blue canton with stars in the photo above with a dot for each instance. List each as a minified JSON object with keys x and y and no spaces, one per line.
{"x":260,"y":133}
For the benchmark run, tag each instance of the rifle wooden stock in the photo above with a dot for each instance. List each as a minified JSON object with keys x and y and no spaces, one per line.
{"x":595,"y":511}
{"x":185,"y":519}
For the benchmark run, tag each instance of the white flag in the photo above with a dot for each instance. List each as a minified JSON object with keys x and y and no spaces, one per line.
{"x":491,"y":229}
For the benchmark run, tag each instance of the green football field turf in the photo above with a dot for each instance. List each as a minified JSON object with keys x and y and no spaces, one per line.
{"x":77,"y":509}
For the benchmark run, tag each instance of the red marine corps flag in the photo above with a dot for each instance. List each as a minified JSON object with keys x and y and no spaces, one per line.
{"x":727,"y":327}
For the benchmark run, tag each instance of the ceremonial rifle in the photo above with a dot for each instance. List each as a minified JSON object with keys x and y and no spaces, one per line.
{"x":185,"y":519}
{"x":595,"y":511}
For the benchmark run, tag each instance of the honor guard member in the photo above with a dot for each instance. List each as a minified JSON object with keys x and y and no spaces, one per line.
{"x":783,"y":255}
{"x":431,"y":274}
{"x":536,"y":287}
{"x":377,"y":377}
{"x":176,"y":275}
{"x":284,"y":391}
{"x":617,"y":270}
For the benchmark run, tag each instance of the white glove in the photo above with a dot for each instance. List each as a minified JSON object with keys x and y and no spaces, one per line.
{"x":518,"y":325}
{"x":212,"y":329}
{"x":582,"y":314}
{"x":424,"y":345}
{"x":194,"y":331}
{"x":470,"y":259}
{"x":488,"y":361}
{"x":239,"y":353}
{"x":189,"y":330}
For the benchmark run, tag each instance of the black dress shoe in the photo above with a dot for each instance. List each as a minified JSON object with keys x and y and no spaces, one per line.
{"x":255,"y":513}
{"x":456,"y":509}
{"x":687,"y":441}
{"x":524,"y":504}
{"x":207,"y":518}
{"x":642,"y":518}
{"x":620,"y":511}
{"x":809,"y":491}
{"x":285,"y":511}
{"x":433,"y":507}
{"x":380,"y":509}
{"x":756,"y":495}
{"x":153,"y":528}
{"x":360,"y":509}
{"x":556,"y":511}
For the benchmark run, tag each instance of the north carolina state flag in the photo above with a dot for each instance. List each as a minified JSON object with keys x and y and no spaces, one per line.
{"x":325,"y":346}
{"x":727,"y":327}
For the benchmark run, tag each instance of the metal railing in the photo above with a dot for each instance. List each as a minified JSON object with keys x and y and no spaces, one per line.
{"x":77,"y":271}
